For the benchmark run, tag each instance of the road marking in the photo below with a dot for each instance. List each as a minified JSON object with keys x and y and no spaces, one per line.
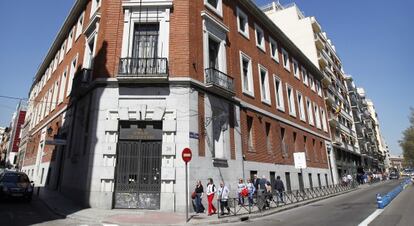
{"x":371,"y":217}
{"x":110,"y":225}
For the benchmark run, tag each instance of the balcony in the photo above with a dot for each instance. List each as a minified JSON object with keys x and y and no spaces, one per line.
{"x":219,"y":82}
{"x":323,"y":62}
{"x":81,"y":82}
{"x":318,"y":42}
{"x":326,"y":80}
{"x":143,"y":70}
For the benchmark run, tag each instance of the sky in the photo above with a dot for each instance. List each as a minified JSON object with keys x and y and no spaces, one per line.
{"x":373,"y":38}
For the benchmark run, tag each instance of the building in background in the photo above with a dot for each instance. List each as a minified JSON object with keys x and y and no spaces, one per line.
{"x":15,"y":128}
{"x":308,"y":35}
{"x":396,"y":162}
{"x":126,"y":85}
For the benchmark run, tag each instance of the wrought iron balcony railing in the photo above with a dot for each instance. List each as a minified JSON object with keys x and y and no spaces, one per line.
{"x":143,"y":67}
{"x":216,"y":78}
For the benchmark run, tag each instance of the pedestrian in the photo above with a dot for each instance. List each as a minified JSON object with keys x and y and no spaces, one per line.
{"x":256,"y":182}
{"x":199,"y":192}
{"x":344,"y":180}
{"x":223,"y":195}
{"x":211,"y":191}
{"x":252,"y":190}
{"x":280,"y":188}
{"x":262,"y":184}
{"x":268,"y":193}
{"x":349,"y":179}
{"x":240,"y":187}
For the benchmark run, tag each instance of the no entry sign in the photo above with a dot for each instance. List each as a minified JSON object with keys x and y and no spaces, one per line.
{"x":186,"y":155}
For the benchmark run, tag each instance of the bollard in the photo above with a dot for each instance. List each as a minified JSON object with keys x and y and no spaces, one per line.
{"x":380,"y":202}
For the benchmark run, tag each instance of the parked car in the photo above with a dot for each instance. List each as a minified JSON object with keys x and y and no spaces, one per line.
{"x":15,"y":185}
{"x":394,"y":175}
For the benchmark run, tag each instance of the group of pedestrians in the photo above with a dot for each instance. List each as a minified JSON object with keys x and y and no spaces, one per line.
{"x":259,"y":187}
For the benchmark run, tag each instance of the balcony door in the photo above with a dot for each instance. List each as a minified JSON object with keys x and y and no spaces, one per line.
{"x":145,"y":43}
{"x":213,"y":52}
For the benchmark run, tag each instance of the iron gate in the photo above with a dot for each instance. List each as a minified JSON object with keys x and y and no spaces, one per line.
{"x":138,"y":171}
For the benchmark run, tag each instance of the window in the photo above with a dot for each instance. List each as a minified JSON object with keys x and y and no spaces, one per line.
{"x":63,"y":79}
{"x":55,"y":61}
{"x":315,"y":153}
{"x":279,"y":94}
{"x":247,"y":76}
{"x":317,"y":116}
{"x":291,"y":101}
{"x":62,"y":52}
{"x":250,"y":142}
{"x":310,"y":112}
{"x":72,"y":71}
{"x":260,"y":40}
{"x":286,"y":62}
{"x":264,"y":85}
{"x":305,"y":147}
{"x":288,"y":185}
{"x":301,"y":107}
{"x":242,"y":23}
{"x":324,"y":123}
{"x":310,"y":180}
{"x":285,"y":151}
{"x":95,"y":6}
{"x":70,"y":41}
{"x":145,"y":44}
{"x":269,"y":145}
{"x":79,"y":26}
{"x":312,"y":83}
{"x":215,"y":5}
{"x":318,"y":88}
{"x":274,"y":52}
{"x":55,"y":95}
{"x":295,"y":69}
{"x":89,"y":53}
{"x":304,"y":76}
{"x":214,"y":40}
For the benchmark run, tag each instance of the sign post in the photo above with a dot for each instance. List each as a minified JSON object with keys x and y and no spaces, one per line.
{"x":186,"y":155}
{"x":300,"y":163}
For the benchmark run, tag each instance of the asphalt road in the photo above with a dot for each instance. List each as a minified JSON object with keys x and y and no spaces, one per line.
{"x":399,"y":212}
{"x":19,"y":213}
{"x":348,"y":209}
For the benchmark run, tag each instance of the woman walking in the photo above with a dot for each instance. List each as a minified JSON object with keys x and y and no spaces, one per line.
{"x":240,"y":187}
{"x":252,"y":190}
{"x":199,"y":191}
{"x":211,"y":190}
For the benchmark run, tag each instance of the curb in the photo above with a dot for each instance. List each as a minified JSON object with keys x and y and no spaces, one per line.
{"x":271,"y":212}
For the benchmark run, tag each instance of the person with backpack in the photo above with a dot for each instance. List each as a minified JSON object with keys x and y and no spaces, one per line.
{"x":211,"y":191}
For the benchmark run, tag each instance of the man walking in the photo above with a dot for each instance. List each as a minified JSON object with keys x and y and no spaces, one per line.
{"x":223,"y":195}
{"x":280,"y":188}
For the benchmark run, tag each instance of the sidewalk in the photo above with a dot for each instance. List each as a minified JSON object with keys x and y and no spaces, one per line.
{"x":68,"y":209}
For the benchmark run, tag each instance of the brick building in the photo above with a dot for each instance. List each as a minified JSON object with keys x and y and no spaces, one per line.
{"x":126,"y":85}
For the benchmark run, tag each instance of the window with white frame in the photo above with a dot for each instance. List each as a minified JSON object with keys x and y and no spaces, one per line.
{"x":317,"y":116}
{"x":291,"y":100}
{"x":242,"y":23}
{"x":286,"y":61}
{"x":62,"y":52}
{"x":214,"y":39}
{"x":260,"y":40}
{"x":79,"y":26}
{"x":246,"y":71}
{"x":215,"y":6}
{"x":72,"y":72}
{"x":95,"y":6}
{"x":70,"y":40}
{"x":310,"y":112}
{"x":312,"y":83}
{"x":63,"y":80}
{"x":305,"y":76}
{"x":55,"y":95}
{"x":324,"y":123}
{"x":49,"y":101}
{"x":250,"y":138}
{"x":56,"y":61}
{"x":301,"y":103}
{"x":295,"y":69}
{"x":274,"y":52}
{"x":264,"y":85}
{"x":280,"y":103}
{"x":318,"y":88}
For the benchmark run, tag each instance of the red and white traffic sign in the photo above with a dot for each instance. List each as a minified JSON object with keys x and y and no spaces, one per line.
{"x":186,"y":155}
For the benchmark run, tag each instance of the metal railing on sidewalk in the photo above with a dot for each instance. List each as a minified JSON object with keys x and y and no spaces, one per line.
{"x":263,"y":201}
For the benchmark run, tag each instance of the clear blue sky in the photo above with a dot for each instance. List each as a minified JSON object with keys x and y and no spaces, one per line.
{"x":373,"y":38}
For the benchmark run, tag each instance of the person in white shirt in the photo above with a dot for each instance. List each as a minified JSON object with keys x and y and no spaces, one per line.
{"x":252,"y":190}
{"x":211,"y":190}
{"x":223,"y":195}
{"x":240,"y":187}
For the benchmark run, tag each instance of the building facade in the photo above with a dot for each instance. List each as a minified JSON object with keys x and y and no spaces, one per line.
{"x":308,"y":35}
{"x":126,"y":85}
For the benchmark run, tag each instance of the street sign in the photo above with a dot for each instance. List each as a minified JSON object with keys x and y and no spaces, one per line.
{"x":186,"y":155}
{"x":55,"y":142}
{"x":300,"y":160}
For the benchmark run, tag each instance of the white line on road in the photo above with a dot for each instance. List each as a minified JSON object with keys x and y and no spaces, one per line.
{"x":371,"y":217}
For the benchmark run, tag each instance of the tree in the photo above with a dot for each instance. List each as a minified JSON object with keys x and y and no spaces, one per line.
{"x":407,"y":142}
